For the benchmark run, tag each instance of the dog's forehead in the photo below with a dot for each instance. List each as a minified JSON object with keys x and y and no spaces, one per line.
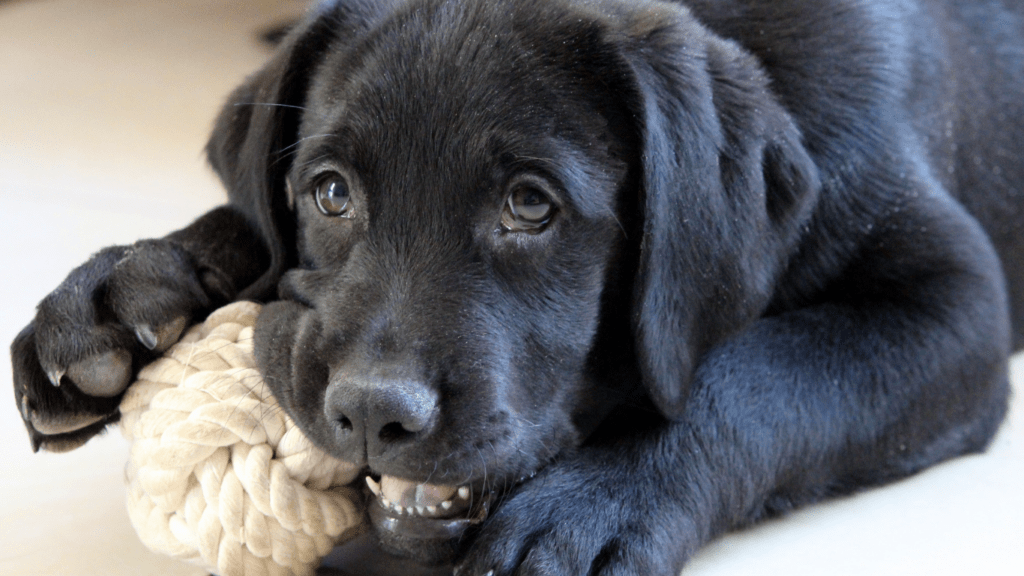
{"x":441,"y":95}
{"x":448,"y":76}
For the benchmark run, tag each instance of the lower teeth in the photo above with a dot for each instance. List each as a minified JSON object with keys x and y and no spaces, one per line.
{"x":402,"y":497}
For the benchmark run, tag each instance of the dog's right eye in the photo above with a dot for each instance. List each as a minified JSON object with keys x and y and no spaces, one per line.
{"x":332,"y":196}
{"x":527,"y":209}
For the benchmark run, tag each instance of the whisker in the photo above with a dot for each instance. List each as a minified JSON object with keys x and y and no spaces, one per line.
{"x":301,"y":140}
{"x":271,"y":105}
{"x":313,"y":160}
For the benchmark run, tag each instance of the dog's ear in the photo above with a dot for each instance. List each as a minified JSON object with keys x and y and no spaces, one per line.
{"x":727,"y":187}
{"x":254,"y":135}
{"x":249,"y":147}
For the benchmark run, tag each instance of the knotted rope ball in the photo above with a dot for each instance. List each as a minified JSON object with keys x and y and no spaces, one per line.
{"x":218,"y":474}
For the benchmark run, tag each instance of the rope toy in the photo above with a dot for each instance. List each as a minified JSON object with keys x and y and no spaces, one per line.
{"x":218,"y":474}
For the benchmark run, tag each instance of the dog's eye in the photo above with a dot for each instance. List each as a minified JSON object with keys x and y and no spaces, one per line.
{"x":527,"y":209}
{"x":332,"y":196}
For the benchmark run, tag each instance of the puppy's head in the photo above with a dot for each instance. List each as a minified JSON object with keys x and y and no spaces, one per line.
{"x":491,"y":222}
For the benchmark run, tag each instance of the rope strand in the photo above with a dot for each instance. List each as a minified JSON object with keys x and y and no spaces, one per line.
{"x":218,"y":474}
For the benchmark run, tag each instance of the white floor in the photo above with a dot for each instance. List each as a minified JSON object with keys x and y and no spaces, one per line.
{"x":104,"y":109}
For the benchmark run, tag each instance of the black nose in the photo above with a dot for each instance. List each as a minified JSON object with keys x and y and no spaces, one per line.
{"x":378,"y":411}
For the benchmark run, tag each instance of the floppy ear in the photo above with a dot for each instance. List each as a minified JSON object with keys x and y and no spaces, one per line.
{"x":726,"y":188}
{"x":252,"y":141}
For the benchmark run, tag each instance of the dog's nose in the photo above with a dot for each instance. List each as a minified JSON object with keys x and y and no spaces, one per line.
{"x":380,"y":411}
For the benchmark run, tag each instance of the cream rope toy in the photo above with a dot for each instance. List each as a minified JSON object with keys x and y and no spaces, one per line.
{"x":218,"y":474}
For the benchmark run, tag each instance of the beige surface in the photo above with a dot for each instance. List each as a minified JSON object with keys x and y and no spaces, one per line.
{"x":104,"y":109}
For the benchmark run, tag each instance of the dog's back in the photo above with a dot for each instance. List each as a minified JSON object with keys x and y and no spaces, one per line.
{"x":981,"y":139}
{"x":953,"y":68}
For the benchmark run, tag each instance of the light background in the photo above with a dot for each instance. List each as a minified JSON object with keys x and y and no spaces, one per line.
{"x":105,"y":106}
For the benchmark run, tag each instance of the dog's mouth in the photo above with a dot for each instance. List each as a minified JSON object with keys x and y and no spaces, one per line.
{"x":412,"y":510}
{"x":407,"y":499}
{"x":425,"y":521}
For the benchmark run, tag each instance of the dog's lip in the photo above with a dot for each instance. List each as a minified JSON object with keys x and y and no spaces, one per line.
{"x":423,"y":511}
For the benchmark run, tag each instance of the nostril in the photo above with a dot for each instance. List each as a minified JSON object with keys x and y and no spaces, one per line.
{"x":344,"y":423}
{"x":401,"y":408}
{"x":394,"y":432}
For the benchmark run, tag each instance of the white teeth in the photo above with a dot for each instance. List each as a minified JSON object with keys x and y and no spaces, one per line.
{"x":405,"y":498}
{"x":374,"y":486}
{"x":424,"y":511}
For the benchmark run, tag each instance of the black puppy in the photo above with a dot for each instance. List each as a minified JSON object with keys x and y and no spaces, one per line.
{"x":584,"y":284}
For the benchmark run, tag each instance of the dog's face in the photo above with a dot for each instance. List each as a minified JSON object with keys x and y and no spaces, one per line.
{"x":458,"y":220}
{"x":498,"y":220}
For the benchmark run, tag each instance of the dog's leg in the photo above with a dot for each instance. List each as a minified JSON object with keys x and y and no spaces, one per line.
{"x":118,"y":311}
{"x":902,"y":365}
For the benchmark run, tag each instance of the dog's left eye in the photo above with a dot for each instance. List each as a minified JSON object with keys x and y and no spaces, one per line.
{"x":528,"y":209}
{"x":332,"y":196}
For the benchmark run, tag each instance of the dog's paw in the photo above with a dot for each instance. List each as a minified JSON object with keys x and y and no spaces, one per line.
{"x":575,"y":519}
{"x":90,"y":336}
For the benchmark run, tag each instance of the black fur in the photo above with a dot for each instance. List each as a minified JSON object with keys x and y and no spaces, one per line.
{"x":784,"y":262}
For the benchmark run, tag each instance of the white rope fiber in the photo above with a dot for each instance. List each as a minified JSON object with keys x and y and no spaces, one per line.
{"x":219,"y":475}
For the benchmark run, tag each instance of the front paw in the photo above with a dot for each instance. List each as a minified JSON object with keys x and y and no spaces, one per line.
{"x":581,"y":519}
{"x":91,"y":335}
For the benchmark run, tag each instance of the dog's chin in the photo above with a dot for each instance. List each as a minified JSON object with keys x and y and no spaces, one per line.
{"x":425,"y":522}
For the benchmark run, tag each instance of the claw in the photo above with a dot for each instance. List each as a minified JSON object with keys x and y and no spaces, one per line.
{"x":161,"y":338}
{"x":55,"y":376}
{"x":26,"y":409}
{"x":146,"y":335}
